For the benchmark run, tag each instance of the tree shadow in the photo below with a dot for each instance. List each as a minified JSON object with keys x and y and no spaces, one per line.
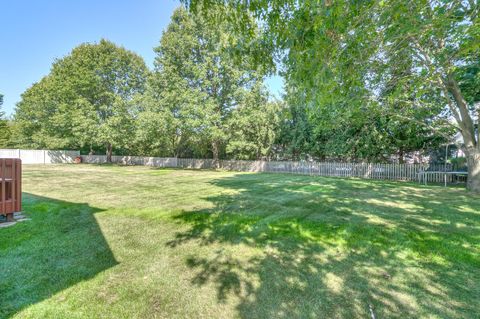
{"x":59,"y":247}
{"x":329,"y":247}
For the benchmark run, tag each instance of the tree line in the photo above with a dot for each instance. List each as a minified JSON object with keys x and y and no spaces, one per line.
{"x":364,"y":82}
{"x":198,"y":101}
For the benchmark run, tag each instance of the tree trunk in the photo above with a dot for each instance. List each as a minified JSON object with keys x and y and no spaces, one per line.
{"x":215,"y":152}
{"x":467,"y":129}
{"x":401,"y":158}
{"x":109,"y":153}
{"x":473,"y":162}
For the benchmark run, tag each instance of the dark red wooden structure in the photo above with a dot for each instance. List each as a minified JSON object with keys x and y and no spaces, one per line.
{"x":10,"y":187}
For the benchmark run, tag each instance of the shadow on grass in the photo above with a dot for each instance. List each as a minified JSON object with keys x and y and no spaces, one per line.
{"x":59,"y":247}
{"x":330,"y":247}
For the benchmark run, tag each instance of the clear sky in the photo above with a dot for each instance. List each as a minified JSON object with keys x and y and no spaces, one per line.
{"x":34,"y":33}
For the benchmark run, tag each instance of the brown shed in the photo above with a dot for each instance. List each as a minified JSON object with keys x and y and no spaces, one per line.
{"x":10,"y":187}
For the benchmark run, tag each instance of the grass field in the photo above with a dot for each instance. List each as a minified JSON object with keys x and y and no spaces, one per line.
{"x":125,"y":242}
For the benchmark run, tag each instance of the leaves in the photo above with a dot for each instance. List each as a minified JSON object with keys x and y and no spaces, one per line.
{"x":200,"y":92}
{"x":374,"y":74}
{"x":86,"y":100}
{"x":4,"y":128}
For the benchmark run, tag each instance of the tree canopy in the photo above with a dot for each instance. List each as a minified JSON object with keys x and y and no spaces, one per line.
{"x":86,"y":100}
{"x":4,"y":129}
{"x":412,"y":64}
{"x":200,"y":96}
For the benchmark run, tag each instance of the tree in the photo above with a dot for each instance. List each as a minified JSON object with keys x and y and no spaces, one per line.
{"x":162,"y":128}
{"x":42,"y":119}
{"x":338,"y":132}
{"x":198,"y":83}
{"x":295,"y":139}
{"x":4,"y":129}
{"x":253,"y":126}
{"x":339,"y":53}
{"x":85,"y":100}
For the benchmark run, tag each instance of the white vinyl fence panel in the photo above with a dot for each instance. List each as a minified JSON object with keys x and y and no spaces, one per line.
{"x":40,"y":156}
{"x":132,"y":160}
{"x":32,"y":156}
{"x":61,"y":156}
{"x":9,"y":153}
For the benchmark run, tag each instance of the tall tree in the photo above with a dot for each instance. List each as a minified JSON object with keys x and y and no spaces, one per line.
{"x":339,"y":53}
{"x":295,"y":138}
{"x":198,"y":82}
{"x":253,"y":125}
{"x":4,"y":129}
{"x":85,"y":100}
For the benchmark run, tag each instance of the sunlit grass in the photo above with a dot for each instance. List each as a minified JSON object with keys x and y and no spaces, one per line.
{"x":123,"y":242}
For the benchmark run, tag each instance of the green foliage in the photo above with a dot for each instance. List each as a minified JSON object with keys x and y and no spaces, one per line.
{"x":4,"y":128}
{"x":295,"y":140}
{"x":86,"y":100}
{"x":384,"y":75}
{"x":199,"y":89}
{"x":458,"y":163}
{"x":253,"y":126}
{"x":364,"y":81}
{"x":200,"y":101}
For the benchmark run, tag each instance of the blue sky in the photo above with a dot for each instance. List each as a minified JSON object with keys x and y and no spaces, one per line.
{"x":34,"y":33}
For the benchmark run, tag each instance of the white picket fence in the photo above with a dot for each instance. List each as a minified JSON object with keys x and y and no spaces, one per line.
{"x":40,"y":156}
{"x":404,"y":172}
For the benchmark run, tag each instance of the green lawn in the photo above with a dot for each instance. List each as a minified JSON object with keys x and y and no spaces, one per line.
{"x":124,"y":242}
